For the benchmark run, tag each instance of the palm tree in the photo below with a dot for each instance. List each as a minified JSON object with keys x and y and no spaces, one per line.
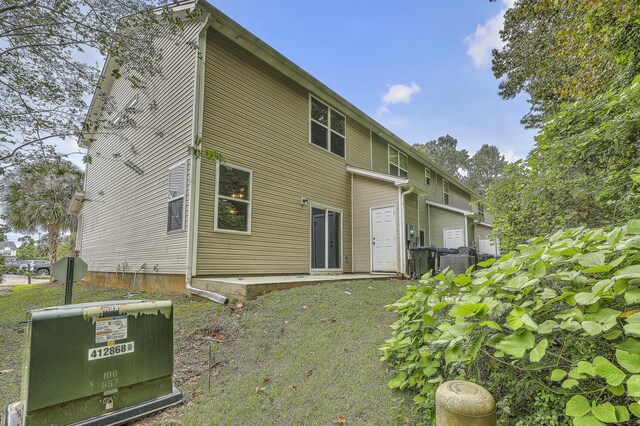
{"x":36,"y":195}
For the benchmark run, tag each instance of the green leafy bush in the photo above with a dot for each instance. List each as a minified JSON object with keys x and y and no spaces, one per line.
{"x":552,"y":329}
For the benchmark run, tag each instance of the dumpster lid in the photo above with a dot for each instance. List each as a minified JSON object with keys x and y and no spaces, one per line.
{"x":90,"y":305}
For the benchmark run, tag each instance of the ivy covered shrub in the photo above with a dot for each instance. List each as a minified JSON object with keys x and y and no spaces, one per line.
{"x":552,"y":329}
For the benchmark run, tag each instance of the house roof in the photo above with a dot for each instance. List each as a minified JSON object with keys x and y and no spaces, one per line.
{"x":8,"y":244}
{"x":244,"y":38}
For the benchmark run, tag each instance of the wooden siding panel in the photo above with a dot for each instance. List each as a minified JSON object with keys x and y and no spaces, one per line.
{"x":440,"y":219}
{"x":259,"y":119}
{"x":126,"y":217}
{"x":368,"y":193}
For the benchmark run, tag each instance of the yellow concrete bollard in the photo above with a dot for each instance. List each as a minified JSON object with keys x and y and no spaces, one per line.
{"x":461,"y":403}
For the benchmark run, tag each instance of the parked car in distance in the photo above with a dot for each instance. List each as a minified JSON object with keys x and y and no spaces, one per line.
{"x":23,"y":266}
{"x":40,"y":267}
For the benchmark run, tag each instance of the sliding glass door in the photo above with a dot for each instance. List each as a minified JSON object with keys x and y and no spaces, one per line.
{"x":326,"y":239}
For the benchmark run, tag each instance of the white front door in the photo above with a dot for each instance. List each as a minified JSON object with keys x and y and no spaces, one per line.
{"x":383,"y":239}
{"x":453,"y":237}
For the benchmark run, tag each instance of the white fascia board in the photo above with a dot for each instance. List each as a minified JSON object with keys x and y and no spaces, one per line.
{"x":377,"y":175}
{"x":488,"y":225}
{"x":76,"y":203}
{"x":448,"y":207}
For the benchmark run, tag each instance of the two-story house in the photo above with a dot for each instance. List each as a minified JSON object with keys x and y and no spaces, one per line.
{"x":8,"y":251}
{"x":309,"y":183}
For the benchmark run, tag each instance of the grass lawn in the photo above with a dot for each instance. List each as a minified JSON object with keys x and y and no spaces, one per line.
{"x":302,"y":356}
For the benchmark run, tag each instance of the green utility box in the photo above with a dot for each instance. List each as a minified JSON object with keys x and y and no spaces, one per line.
{"x":99,"y":363}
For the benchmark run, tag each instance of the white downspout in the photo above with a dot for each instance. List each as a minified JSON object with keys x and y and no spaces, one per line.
{"x":194,"y":178}
{"x":466,"y":232}
{"x":403,"y":240}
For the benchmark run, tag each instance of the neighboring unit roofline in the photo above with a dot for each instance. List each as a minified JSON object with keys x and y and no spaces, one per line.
{"x":448,"y":207}
{"x":377,"y":175}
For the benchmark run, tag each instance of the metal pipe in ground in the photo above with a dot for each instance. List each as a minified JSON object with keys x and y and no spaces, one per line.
{"x":461,"y":403}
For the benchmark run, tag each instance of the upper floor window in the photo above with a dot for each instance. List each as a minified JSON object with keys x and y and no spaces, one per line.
{"x":481,"y":209}
{"x":445,"y":191}
{"x":233,"y":199}
{"x":427,"y":176}
{"x":327,"y":128}
{"x":398,"y":163}
{"x":177,"y":179}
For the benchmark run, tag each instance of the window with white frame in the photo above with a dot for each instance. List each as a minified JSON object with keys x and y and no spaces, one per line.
{"x":177,"y":179}
{"x":445,"y":191}
{"x":398,"y":163}
{"x":233,"y":199}
{"x":327,"y":127}
{"x":427,"y":176}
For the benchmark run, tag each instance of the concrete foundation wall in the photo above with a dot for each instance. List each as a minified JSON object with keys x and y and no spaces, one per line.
{"x":154,"y":283}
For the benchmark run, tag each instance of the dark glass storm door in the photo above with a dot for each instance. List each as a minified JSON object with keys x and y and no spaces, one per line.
{"x":326,"y":239}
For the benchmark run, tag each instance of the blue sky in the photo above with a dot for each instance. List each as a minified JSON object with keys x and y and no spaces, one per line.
{"x":414,"y":52}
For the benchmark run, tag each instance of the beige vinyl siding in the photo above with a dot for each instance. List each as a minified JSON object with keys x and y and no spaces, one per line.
{"x":359,"y":145}
{"x":458,"y":197}
{"x":380,"y":155}
{"x":424,"y":218}
{"x":125,"y":217}
{"x":471,"y":232}
{"x":410,"y":213}
{"x":416,"y":171}
{"x":488,"y":217}
{"x":440,"y":219}
{"x":259,"y":120}
{"x":368,"y":193}
{"x":481,"y":231}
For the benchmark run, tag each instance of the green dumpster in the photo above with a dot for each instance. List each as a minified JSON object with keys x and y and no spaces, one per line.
{"x":423,"y":260}
{"x":97,"y":363}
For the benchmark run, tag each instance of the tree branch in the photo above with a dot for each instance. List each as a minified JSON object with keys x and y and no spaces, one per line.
{"x":17,"y":7}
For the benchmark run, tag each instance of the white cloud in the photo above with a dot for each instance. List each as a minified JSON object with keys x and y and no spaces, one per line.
{"x":397,"y":93}
{"x":486,"y":38}
{"x":511,"y":156}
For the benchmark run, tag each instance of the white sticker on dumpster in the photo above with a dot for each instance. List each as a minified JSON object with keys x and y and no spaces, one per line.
{"x":109,"y":351}
{"x":111,"y":328}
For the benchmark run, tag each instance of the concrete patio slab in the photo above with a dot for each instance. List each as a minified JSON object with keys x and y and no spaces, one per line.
{"x":251,"y":287}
